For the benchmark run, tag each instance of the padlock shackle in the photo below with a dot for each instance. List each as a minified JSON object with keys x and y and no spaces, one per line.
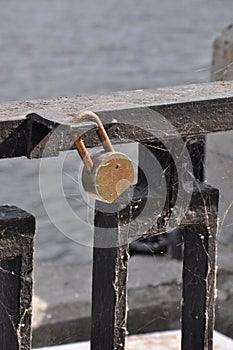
{"x":103,"y":136}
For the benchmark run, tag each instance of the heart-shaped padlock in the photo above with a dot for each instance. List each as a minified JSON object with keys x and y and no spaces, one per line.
{"x":106,"y":174}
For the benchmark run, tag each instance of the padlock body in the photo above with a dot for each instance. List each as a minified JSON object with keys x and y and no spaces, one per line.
{"x":110,"y":176}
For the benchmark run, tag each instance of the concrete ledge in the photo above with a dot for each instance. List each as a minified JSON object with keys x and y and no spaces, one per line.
{"x":160,"y":341}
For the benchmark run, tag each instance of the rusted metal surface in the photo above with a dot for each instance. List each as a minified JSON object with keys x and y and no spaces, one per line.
{"x":106,"y":174}
{"x":103,"y":136}
{"x":113,"y":176}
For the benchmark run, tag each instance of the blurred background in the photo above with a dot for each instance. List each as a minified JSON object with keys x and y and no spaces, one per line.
{"x":62,"y":48}
{"x":52,"y":48}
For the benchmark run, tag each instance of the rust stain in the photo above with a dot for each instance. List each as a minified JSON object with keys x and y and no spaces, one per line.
{"x":114,"y":176}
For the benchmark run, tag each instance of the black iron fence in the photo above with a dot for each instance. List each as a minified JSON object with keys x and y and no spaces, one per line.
{"x":170,"y":126}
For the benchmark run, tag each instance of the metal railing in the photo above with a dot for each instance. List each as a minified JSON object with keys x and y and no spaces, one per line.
{"x":156,"y":120}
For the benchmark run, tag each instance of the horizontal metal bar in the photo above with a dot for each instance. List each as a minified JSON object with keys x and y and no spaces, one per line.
{"x":27,"y":128}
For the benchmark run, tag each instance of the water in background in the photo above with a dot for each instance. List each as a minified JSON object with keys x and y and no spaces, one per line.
{"x":57,"y":48}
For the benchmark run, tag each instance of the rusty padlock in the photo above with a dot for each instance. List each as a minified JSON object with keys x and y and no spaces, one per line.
{"x":106,"y":174}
